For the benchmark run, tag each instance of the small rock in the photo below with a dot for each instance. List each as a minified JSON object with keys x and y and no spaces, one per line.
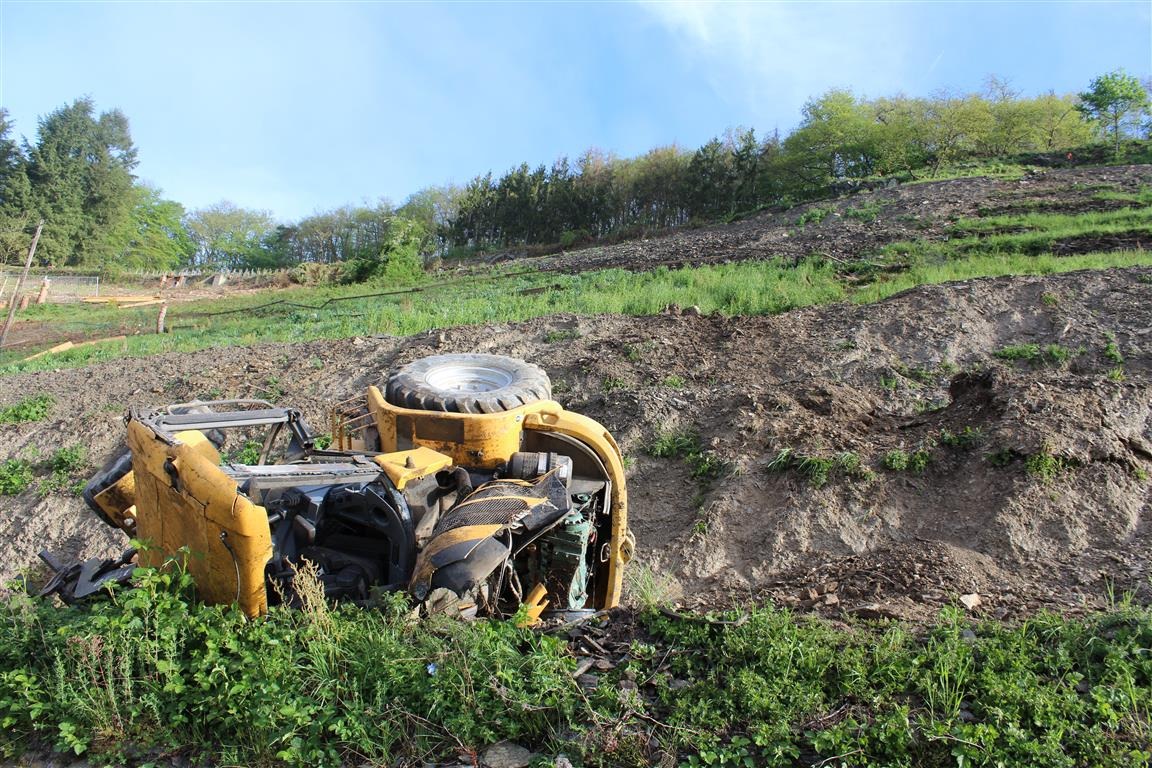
{"x":831,"y":599}
{"x":968,"y":636}
{"x":692,"y":311}
{"x":562,"y":761}
{"x":506,"y":754}
{"x":971,"y":601}
{"x":873,"y":611}
{"x":679,"y":684}
{"x":588,"y":682}
{"x":829,"y":586}
{"x":604,"y":665}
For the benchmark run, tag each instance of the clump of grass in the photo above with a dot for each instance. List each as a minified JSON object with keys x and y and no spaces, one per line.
{"x":561,"y":334}
{"x":1054,"y":354}
{"x":1112,"y":349}
{"x":965,"y":439}
{"x":1046,"y":466}
{"x":867,"y":212}
{"x":814,"y":215}
{"x":34,"y":408}
{"x":899,"y":460}
{"x":703,"y":464}
{"x":817,"y":470}
{"x":15,"y":476}
{"x":674,"y":382}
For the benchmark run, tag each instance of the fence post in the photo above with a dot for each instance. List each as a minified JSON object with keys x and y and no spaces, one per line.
{"x":20,"y":284}
{"x":160,"y":317}
{"x":43,"y":295}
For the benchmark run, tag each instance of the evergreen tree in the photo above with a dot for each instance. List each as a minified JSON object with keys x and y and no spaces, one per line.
{"x":80,"y":172}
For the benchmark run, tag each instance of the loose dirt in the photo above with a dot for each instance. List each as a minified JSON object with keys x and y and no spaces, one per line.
{"x":864,"y":380}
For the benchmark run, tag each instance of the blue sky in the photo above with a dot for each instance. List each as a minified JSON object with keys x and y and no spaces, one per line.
{"x":300,"y":107}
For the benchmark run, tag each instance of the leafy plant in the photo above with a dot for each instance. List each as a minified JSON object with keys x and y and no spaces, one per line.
{"x":15,"y":476}
{"x":1047,"y":466}
{"x":611,"y":384}
{"x":33,"y":408}
{"x":249,"y":454}
{"x":674,"y":382}
{"x":1112,"y":349}
{"x":895,"y":460}
{"x":813,"y":215}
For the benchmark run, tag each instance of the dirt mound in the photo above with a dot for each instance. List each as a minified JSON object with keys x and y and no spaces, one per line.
{"x":1024,"y":479}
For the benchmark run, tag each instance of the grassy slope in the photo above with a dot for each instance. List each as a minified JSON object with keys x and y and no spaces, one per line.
{"x":997,"y":246}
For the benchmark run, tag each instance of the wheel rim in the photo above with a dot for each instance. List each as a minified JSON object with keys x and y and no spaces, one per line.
{"x":468,"y":378}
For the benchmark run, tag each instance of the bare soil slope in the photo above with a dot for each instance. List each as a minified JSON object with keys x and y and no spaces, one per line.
{"x":821,"y":381}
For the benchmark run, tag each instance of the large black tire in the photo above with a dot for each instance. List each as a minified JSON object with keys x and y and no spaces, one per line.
{"x":468,"y":383}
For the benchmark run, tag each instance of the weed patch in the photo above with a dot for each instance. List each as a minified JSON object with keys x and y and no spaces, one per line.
{"x":1046,"y":466}
{"x":34,"y":408}
{"x":15,"y":476}
{"x":1053,"y":354}
{"x":703,"y":464}
{"x":818,"y":470}
{"x":329,"y":686}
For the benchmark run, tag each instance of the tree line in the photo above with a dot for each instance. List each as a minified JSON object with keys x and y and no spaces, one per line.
{"x":77,"y":175}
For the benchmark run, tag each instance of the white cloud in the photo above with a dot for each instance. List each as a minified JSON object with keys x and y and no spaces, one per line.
{"x":769,"y":58}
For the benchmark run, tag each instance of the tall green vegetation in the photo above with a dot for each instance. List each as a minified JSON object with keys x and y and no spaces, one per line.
{"x":79,"y":173}
{"x":1118,"y":101}
{"x":77,"y":176}
{"x":151,"y":671}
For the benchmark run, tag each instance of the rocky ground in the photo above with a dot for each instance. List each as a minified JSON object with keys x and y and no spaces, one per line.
{"x":903,"y":374}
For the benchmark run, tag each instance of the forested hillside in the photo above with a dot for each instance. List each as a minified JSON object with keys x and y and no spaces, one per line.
{"x":77,"y":174}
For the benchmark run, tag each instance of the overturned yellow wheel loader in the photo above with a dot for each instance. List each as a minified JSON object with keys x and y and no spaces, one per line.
{"x":462,"y":484}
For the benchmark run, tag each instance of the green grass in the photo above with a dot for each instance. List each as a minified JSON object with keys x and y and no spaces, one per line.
{"x":704,"y":465}
{"x":1053,"y":354}
{"x":980,"y":248}
{"x":818,"y":470}
{"x":151,"y":671}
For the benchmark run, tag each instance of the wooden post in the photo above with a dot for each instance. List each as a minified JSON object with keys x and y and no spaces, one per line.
{"x":160,"y":317}
{"x":20,"y":284}
{"x":43,"y":295}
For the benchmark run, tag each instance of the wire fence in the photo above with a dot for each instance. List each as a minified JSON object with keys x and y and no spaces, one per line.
{"x":54,"y":287}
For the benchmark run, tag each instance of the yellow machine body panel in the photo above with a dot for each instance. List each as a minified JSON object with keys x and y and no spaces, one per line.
{"x":118,"y":502}
{"x":487,"y":440}
{"x":403,"y":467}
{"x":185,"y":502}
